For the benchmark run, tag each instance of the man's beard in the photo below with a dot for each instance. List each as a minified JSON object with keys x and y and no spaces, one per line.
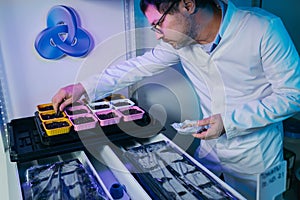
{"x":186,"y":41}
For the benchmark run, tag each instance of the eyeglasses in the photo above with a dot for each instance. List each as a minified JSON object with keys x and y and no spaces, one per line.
{"x":161,"y":19}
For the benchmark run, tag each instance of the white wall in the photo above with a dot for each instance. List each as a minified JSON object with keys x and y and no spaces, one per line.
{"x":31,"y":79}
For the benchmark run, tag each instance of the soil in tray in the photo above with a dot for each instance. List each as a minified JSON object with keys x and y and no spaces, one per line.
{"x":76,"y":112}
{"x":54,"y":125}
{"x":51,"y":116}
{"x":98,"y":107}
{"x":74,"y":104}
{"x":107,"y":116}
{"x":82,"y":120}
{"x":115,"y":97}
{"x":131,"y":112}
{"x":118,"y":104}
{"x":46,"y":108}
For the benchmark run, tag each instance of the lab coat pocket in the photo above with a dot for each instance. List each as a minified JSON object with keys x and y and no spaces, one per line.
{"x":242,"y":154}
{"x":255,"y":152}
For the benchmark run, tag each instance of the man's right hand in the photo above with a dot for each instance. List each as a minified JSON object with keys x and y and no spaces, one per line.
{"x":67,"y":95}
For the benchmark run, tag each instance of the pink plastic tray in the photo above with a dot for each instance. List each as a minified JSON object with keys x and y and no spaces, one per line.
{"x":109,"y":121}
{"x":83,"y":126}
{"x":77,"y":110}
{"x":127,"y":116}
{"x":77,"y":103}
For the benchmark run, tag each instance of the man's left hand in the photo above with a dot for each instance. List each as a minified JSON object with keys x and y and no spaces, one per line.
{"x":216,"y":127}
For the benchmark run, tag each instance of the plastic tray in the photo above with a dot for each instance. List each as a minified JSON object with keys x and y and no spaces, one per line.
{"x":108,"y":98}
{"x":167,"y":166}
{"x":110,"y":121}
{"x":113,"y":132}
{"x":26,"y":144}
{"x":84,"y":126}
{"x":67,"y":176}
{"x":76,"y":103}
{"x":60,"y":130}
{"x":72,"y":136}
{"x":80,"y":102}
{"x":45,"y":107}
{"x":51,"y":114}
{"x":125,"y":112}
{"x":81,"y":110}
{"x":115,"y":97}
{"x":29,"y":141}
{"x":100,"y":106}
{"x":122,"y":103}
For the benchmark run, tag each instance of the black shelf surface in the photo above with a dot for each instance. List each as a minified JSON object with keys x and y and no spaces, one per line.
{"x":28,"y":140}
{"x":26,"y":144}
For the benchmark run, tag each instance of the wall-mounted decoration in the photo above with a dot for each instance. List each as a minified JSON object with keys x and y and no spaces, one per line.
{"x":63,"y":35}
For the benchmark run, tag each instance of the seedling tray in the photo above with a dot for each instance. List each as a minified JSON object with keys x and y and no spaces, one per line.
{"x":121,"y":103}
{"x":50,"y":115}
{"x":77,"y":111}
{"x":26,"y":144}
{"x":45,"y":107}
{"x":28,"y":140}
{"x":78,"y":126}
{"x":123,"y":131}
{"x":100,"y":106}
{"x":55,"y":139}
{"x":115,"y":118}
{"x":127,"y":116}
{"x":57,"y":126}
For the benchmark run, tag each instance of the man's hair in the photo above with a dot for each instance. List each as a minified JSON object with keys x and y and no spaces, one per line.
{"x":162,"y":5}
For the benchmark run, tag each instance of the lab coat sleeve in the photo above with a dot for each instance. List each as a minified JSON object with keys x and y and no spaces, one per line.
{"x":116,"y":77}
{"x":280,"y":61}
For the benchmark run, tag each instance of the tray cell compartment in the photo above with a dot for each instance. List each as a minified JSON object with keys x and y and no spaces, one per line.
{"x":51,"y":115}
{"x":84,"y":122}
{"x":100,"y":106}
{"x":131,"y":113}
{"x":115,"y":97}
{"x":76,"y":111}
{"x":108,"y":117}
{"x":122,"y":103}
{"x":75,"y":104}
{"x":109,"y":98}
{"x":45,"y":107}
{"x":57,"y":126}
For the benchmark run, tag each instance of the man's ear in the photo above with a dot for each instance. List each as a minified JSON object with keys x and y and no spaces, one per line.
{"x":189,"y":6}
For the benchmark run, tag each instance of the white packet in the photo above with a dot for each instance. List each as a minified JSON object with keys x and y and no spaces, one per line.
{"x":191,"y":127}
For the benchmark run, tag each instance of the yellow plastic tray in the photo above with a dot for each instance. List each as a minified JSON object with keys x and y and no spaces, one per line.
{"x":57,"y":131}
{"x":50,"y":112}
{"x":41,"y":107}
{"x":114,"y":97}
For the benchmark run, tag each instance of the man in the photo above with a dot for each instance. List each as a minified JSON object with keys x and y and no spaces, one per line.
{"x":243,"y":66}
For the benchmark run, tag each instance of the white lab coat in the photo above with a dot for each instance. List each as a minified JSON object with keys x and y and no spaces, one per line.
{"x":252,"y":78}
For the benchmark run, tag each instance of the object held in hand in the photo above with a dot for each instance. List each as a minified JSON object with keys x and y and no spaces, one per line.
{"x":58,"y":112}
{"x":189,"y":127}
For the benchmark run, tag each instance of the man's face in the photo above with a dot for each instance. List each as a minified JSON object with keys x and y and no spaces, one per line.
{"x":176,"y":28}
